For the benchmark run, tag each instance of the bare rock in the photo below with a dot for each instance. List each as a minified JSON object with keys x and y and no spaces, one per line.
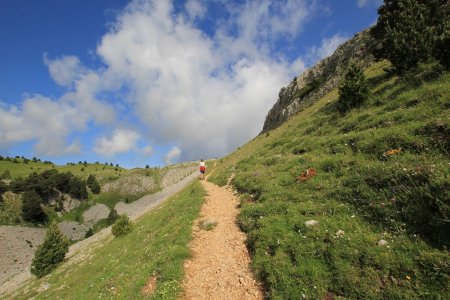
{"x":73,"y":230}
{"x":95,"y":214}
{"x":340,"y":233}
{"x":382,"y":242}
{"x":311,"y":223}
{"x":131,"y":185}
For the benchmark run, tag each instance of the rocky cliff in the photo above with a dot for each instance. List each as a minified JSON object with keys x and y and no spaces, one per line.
{"x":317,"y":81}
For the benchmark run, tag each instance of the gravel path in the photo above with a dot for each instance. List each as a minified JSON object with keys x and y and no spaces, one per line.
{"x":219,"y":268}
{"x":11,"y":279}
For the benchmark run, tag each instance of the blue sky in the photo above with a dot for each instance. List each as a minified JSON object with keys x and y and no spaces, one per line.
{"x":155,"y":82}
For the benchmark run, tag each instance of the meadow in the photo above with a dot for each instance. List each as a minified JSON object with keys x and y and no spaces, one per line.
{"x":381,"y":195}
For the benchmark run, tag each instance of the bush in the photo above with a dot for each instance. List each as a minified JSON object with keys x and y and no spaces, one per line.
{"x":3,"y":188}
{"x":31,"y":207}
{"x":89,"y":233}
{"x":93,"y":184}
{"x":51,"y":252}
{"x":112,"y":216}
{"x":5,"y":175}
{"x":354,"y":90}
{"x":122,"y":226}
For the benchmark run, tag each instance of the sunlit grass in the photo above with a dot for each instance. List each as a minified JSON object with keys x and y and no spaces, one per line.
{"x":362,"y":187}
{"x":121,"y":267}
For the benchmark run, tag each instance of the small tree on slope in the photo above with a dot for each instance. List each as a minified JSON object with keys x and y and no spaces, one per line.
{"x":31,"y":207}
{"x":353,"y":90}
{"x":51,"y":252}
{"x":92,"y":183}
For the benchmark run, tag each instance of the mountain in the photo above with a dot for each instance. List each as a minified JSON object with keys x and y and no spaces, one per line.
{"x":320,"y":79}
{"x":352,"y":205}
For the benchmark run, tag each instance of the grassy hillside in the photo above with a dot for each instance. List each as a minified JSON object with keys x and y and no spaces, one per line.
{"x":120,"y":268}
{"x":10,"y":209}
{"x":382,"y":173}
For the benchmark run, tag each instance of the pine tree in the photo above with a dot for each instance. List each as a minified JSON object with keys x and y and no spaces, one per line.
{"x":440,"y":20}
{"x":51,"y":252}
{"x":122,"y":226}
{"x":412,"y":32}
{"x":353,"y":90}
{"x":93,"y":184}
{"x":31,"y":207}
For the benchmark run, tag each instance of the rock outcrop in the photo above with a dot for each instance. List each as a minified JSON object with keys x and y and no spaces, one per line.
{"x":131,"y":185}
{"x":319,"y":80}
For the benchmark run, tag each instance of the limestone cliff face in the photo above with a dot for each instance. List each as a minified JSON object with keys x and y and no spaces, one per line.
{"x":319,"y":80}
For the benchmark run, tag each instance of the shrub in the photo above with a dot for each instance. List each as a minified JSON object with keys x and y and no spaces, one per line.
{"x":31,"y":207}
{"x":5,"y":175}
{"x":122,"y":226}
{"x":51,"y":252}
{"x":354,"y":89}
{"x":93,"y":184}
{"x":3,"y":188}
{"x":112,"y":216}
{"x":89,"y":233}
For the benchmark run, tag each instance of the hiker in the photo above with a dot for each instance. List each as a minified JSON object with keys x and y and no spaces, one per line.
{"x":202,"y":169}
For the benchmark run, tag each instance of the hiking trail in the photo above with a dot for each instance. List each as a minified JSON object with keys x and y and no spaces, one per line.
{"x":219,"y":267}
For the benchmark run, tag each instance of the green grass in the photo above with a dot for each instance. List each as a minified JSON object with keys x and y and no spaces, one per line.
{"x":103,"y":173}
{"x":403,"y":198}
{"x":121,"y":267}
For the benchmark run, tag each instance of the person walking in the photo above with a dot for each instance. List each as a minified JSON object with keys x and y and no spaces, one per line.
{"x":202,"y":169}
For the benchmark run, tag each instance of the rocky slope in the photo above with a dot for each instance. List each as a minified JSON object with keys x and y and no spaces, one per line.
{"x":319,"y":80}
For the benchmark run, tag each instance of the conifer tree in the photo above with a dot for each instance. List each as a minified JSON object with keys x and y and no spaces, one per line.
{"x":93,"y":184}
{"x":51,"y":252}
{"x":405,"y":34}
{"x":31,"y":207}
{"x":353,"y":90}
{"x":122,"y":226}
{"x":3,"y":188}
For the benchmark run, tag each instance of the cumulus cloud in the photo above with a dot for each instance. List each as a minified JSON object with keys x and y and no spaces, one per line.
{"x":121,"y":141}
{"x":39,"y":118}
{"x":195,"y":9}
{"x":207,"y":94}
{"x":172,"y":156}
{"x":64,"y":70}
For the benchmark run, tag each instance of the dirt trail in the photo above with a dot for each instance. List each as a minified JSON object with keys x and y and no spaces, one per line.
{"x":219,"y":268}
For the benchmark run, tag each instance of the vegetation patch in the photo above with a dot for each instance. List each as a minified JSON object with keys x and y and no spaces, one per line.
{"x":380,"y":196}
{"x":157,"y":246}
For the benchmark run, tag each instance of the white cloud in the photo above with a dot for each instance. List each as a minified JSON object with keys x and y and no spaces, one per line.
{"x":39,"y":118}
{"x":172,"y":156}
{"x":195,"y":9}
{"x":65,"y":70}
{"x":207,"y":94}
{"x":121,"y":141}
